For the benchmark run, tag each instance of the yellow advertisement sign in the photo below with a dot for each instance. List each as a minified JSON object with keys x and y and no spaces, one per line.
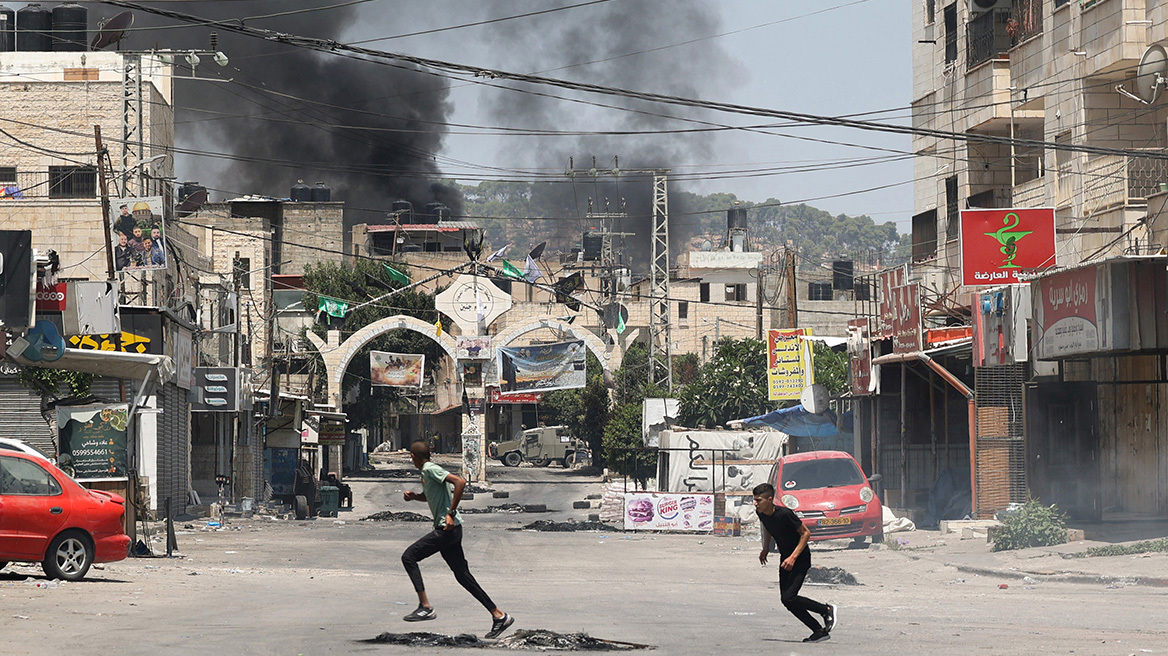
{"x":789,"y":360}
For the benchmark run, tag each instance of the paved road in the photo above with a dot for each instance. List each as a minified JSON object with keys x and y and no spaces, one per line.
{"x":322,"y":587}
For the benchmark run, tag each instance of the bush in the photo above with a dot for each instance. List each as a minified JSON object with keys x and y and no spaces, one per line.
{"x":1035,"y":525}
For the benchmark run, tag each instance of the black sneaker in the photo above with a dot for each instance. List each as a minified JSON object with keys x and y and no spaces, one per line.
{"x":818,"y":636}
{"x":829,"y":618}
{"x":420,"y":614}
{"x":500,"y":625}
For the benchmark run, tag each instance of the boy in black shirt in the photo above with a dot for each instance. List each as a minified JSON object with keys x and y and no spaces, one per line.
{"x":791,"y":537}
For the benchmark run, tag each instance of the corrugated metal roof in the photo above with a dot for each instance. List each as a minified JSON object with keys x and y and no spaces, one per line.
{"x":445,"y":226}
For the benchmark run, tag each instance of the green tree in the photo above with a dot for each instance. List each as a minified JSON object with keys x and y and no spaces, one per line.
{"x":732,"y":385}
{"x":356,"y":284}
{"x":584,"y":411}
{"x":831,"y":368}
{"x":623,"y":447}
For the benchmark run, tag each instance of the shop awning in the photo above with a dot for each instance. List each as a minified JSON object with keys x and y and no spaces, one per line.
{"x":117,"y":364}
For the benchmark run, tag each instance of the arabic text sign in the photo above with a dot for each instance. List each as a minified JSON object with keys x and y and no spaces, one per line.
{"x":860,"y":356}
{"x":93,"y":440}
{"x":1065,"y":308}
{"x":789,"y":364}
{"x":889,"y":280}
{"x":396,"y":369}
{"x":998,"y":244}
{"x":519,"y":398}
{"x":669,"y":512}
{"x":541,"y":367}
{"x":906,"y":319}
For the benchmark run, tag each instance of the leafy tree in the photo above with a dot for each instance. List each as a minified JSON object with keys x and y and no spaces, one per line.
{"x":584,"y":411}
{"x":623,"y":448}
{"x":48,"y":382}
{"x":732,"y":385}
{"x":356,"y":284}
{"x":831,"y":368}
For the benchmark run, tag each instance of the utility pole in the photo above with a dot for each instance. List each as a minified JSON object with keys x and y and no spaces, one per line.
{"x":758,"y":301}
{"x":102,"y":155}
{"x":792,"y":296}
{"x":660,"y":347}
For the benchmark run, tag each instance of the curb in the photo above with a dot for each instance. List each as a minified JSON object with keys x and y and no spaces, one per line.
{"x":1065,"y":577}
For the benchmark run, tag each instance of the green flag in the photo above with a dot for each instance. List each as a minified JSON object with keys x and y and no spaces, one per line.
{"x":620,"y":322}
{"x":333,"y":307}
{"x":395,"y":275}
{"x":510,"y":271}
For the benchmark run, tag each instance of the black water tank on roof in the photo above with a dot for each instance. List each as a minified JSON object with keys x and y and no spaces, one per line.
{"x":300,"y":192}
{"x":841,"y":274}
{"x":34,"y":27}
{"x":403,"y":210}
{"x":321,"y":193}
{"x":7,"y":29}
{"x":443,"y":213}
{"x":70,"y":25}
{"x":431,"y":213}
{"x":593,"y":242}
{"x":819,"y":291}
{"x":736,"y":218}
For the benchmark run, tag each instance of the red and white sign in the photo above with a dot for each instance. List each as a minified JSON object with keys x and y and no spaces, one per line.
{"x":518,"y":397}
{"x":889,"y":280}
{"x":664,"y":511}
{"x":906,"y":319}
{"x":860,"y":356}
{"x":51,"y":299}
{"x":999,"y":244}
{"x":1065,"y":309}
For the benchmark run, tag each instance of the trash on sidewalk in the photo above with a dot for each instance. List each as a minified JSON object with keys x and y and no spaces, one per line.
{"x":1002,"y":586}
{"x":565,"y":527}
{"x":41,"y":584}
{"x":533,"y":639}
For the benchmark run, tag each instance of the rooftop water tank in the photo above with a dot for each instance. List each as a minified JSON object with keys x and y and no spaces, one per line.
{"x":736,"y":218}
{"x":70,"y":25}
{"x":7,"y":29}
{"x":34,"y":28}
{"x":301,"y":193}
{"x":321,"y":193}
{"x":403,"y":210}
{"x":432,"y":213}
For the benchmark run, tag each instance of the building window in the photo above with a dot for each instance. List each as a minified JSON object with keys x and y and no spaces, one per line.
{"x":683,"y":311}
{"x":736,"y":292}
{"x":924,"y":236}
{"x":704,"y":292}
{"x":930,"y":11}
{"x":243,"y":267}
{"x":952,"y":215}
{"x":72,"y":182}
{"x":951,"y":34}
{"x":7,"y":175}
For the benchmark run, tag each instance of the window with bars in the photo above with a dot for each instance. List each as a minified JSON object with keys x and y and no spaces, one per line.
{"x":952,"y":213}
{"x":951,"y":34}
{"x":72,"y":182}
{"x":7,"y":175}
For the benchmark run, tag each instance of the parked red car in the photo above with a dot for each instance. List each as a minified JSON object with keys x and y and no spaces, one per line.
{"x":46,"y":517}
{"x":829,"y":492}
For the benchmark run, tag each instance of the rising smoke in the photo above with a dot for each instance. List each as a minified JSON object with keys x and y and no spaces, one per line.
{"x":317,"y":121}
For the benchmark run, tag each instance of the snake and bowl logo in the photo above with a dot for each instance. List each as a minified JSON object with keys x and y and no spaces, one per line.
{"x":667,"y":509}
{"x":998,"y":244}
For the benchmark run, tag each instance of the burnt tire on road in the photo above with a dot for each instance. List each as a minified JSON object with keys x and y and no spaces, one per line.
{"x":301,"y":506}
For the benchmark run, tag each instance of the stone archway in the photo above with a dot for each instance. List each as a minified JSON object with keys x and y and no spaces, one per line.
{"x":337,"y":355}
{"x":610,"y":355}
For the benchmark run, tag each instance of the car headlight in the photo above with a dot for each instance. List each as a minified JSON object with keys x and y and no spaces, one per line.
{"x":790,"y":501}
{"x":866,"y":494}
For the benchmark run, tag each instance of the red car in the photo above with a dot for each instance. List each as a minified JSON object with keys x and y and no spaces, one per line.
{"x":46,"y":517}
{"x":829,"y":492}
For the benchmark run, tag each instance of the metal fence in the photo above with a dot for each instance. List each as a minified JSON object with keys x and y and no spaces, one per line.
{"x":56,"y":182}
{"x":1001,"y":449}
{"x":987,"y":37}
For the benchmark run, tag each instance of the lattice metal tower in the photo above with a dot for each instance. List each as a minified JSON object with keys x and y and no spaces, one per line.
{"x":660,"y":345}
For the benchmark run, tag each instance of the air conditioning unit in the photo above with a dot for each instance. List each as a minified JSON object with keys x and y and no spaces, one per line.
{"x":982,"y":6}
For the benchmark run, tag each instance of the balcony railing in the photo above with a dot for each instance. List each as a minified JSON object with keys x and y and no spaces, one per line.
{"x":1025,"y":20}
{"x":58,"y":182}
{"x":988,"y":37}
{"x":1119,"y":180}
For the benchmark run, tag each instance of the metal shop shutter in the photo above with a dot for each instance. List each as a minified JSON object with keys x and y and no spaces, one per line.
{"x":22,"y":418}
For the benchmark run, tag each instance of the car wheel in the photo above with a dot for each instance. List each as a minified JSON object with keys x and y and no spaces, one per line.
{"x":512,"y":459}
{"x":301,"y":506}
{"x":878,"y":538}
{"x":69,"y":557}
{"x":3,"y":564}
{"x":570,"y":461}
{"x":858,"y":540}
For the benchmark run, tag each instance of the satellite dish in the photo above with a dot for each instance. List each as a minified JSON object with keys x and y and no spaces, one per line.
{"x":113,"y":30}
{"x":1150,"y":73}
{"x":814,"y":399}
{"x":192,"y":203}
{"x":707,"y":246}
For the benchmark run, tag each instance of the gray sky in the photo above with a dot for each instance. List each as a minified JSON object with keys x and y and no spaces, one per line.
{"x":794,"y":56}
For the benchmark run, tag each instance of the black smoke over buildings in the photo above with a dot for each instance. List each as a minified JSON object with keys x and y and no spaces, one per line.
{"x":371,"y":132}
{"x":621,"y":44}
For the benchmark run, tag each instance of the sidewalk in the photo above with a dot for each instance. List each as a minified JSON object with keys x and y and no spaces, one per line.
{"x":1039,"y":564}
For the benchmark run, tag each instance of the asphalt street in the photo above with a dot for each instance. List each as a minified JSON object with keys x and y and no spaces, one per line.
{"x":326,"y":586}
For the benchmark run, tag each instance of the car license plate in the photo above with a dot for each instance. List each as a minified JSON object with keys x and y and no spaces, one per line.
{"x":835,"y":521}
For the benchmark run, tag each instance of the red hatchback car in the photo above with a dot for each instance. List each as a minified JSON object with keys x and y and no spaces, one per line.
{"x":46,"y":517}
{"x":829,"y":492}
